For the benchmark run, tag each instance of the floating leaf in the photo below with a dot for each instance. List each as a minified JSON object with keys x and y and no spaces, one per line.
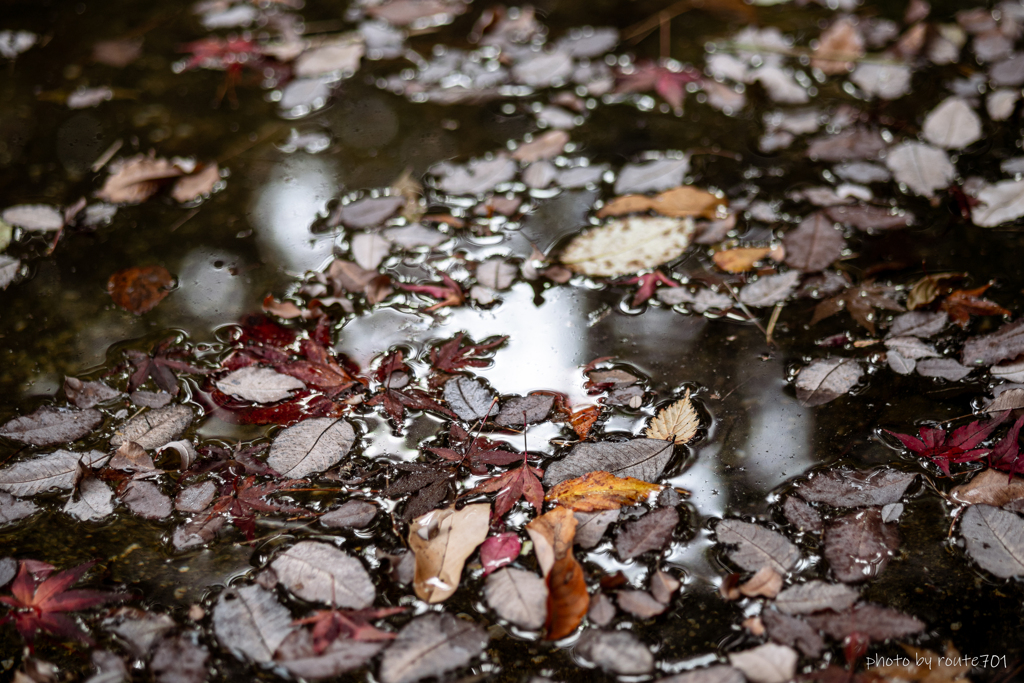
{"x":600,"y":491}
{"x":999,"y":203}
{"x":677,"y":422}
{"x":517,"y":596}
{"x":871,"y":621}
{"x":470,"y":398}
{"x":920,"y":167}
{"x":855,"y":488}
{"x":793,"y":632}
{"x":431,"y":645}
{"x":139,"y":289}
{"x":826,"y":379}
{"x":989,"y":487}
{"x":770,"y":289}
{"x":768,"y":663}
{"x":310,"y":447}
{"x":12,"y":509}
{"x":49,"y":425}
{"x":758,"y":546}
{"x":995,"y":540}
{"x":352,"y":514}
{"x":568,"y":600}
{"x":443,"y":540}
{"x":259,"y":384}
{"x":592,"y":525}
{"x":155,"y":428}
{"x":88,"y":394}
{"x":639,"y":458}
{"x":859,"y":546}
{"x":952,"y":124}
{"x":145,"y":499}
{"x":322,"y":573}
{"x":533,"y":408}
{"x":801,"y":515}
{"x":651,"y":531}
{"x":621,"y":247}
{"x":179,"y":659}
{"x":251,"y":622}
{"x":34,"y":217}
{"x":95,"y":501}
{"x":1004,"y":344}
{"x":651,"y":176}
{"x":619,"y":652}
{"x":815,"y":596}
{"x":814,"y":245}
{"x":57,"y":470}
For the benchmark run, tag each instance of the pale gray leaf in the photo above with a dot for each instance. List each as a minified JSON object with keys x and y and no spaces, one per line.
{"x":532,"y":408}
{"x":718,"y":673}
{"x":815,"y":596}
{"x":56,"y":470}
{"x":518,"y":596}
{"x":369,"y":249}
{"x":311,"y":446}
{"x":999,"y":203}
{"x":196,"y":497}
{"x":911,"y":347}
{"x":109,"y":668}
{"x":415,"y":235}
{"x":589,"y":42}
{"x":757,"y":546}
{"x":476,"y":177}
{"x":952,"y":125}
{"x":638,"y":458}
{"x":543,"y":69}
{"x":602,"y":610}
{"x":199,"y":531}
{"x":892,"y":512}
{"x":1004,"y":344}
{"x":899,"y":364}
{"x":34,"y":217}
{"x":1009,"y":397}
{"x":874,"y":621}
{"x":792,"y":631}
{"x":353,"y":514}
{"x":801,"y":515}
{"x":943,"y":368}
{"x":590,"y":527}
{"x":469,"y":398}
{"x":50,"y":425}
{"x":771,"y":289}
{"x":768,"y":663}
{"x":180,"y":659}
{"x":922,"y":168}
{"x":341,"y":656}
{"x":88,"y":394}
{"x":496,"y":273}
{"x":95,"y":501}
{"x":367,"y":212}
{"x":1011,"y":372}
{"x":860,"y":545}
{"x":9,"y":268}
{"x":847,"y":145}
{"x":619,"y":652}
{"x":826,"y":379}
{"x":154,"y":428}
{"x":640,"y":603}
{"x":918,"y":324}
{"x":322,"y":573}
{"x":138,"y":629}
{"x":431,"y":645}
{"x":250,"y":622}
{"x":652,"y":531}
{"x":539,"y":174}
{"x":145,"y":499}
{"x":8,"y":570}
{"x":855,"y":488}
{"x":887,"y":81}
{"x":580,"y":176}
{"x":150,"y":399}
{"x":652,"y":176}
{"x":12,"y":509}
{"x":995,"y":539}
{"x":259,"y":384}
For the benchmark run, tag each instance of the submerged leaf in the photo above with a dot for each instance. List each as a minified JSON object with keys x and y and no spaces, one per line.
{"x":49,"y":425}
{"x":518,"y":596}
{"x":154,"y":428}
{"x":56,"y":470}
{"x":251,"y":622}
{"x":322,"y":573}
{"x":995,"y":539}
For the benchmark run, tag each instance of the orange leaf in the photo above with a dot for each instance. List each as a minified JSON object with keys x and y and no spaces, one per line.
{"x":630,"y":203}
{"x":552,"y":534}
{"x":740,"y":259}
{"x":685,"y":200}
{"x":139,"y":290}
{"x":600,"y":491}
{"x":568,"y":600}
{"x":583,"y":419}
{"x":963,"y":303}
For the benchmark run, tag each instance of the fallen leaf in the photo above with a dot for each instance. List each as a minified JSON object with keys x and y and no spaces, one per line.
{"x":766,"y":582}
{"x":826,"y":379}
{"x":337,"y":55}
{"x":366,"y":212}
{"x":195,"y":498}
{"x":989,"y":487}
{"x":870,"y":218}
{"x":546,"y":146}
{"x":859,"y":546}
{"x":768,"y":663}
{"x":431,"y":645}
{"x":952,"y":125}
{"x":740,"y":259}
{"x":998,"y":203}
{"x":918,"y":324}
{"x":639,"y":458}
{"x":552,"y":534}
{"x":801,"y":515}
{"x":95,"y":501}
{"x":640,"y":604}
{"x":319,"y":572}
{"x":88,"y":394}
{"x":816,"y":596}
{"x":677,"y":422}
{"x":770,"y":289}
{"x":352,"y":514}
{"x":871,"y":621}
{"x":145,"y":499}
{"x":369,"y":250}
{"x":522,"y":410}
{"x":154,"y":428}
{"x":33,"y":217}
{"x":180,"y":659}
{"x":679,"y":202}
{"x":568,"y":600}
{"x":196,"y":185}
{"x":848,"y":144}
{"x":49,"y":425}
{"x":651,"y":531}
{"x":139,"y":289}
{"x":792,"y":632}
{"x":861,"y":302}
{"x":250,"y":622}
{"x":518,"y":596}
{"x":757,"y":546}
{"x":600,"y":491}
{"x":12,"y":509}
{"x":1004,"y":344}
{"x":943,"y":368}
{"x":995,"y":540}
{"x":496,"y":273}
{"x":961,"y":304}
{"x":299,"y":656}
{"x":310,"y":447}
{"x":888,"y":81}
{"x":134,"y":180}
{"x":717,"y":673}
{"x":56,"y":470}
{"x":499,"y":550}
{"x":840,"y":45}
{"x":619,"y":652}
{"x":470,"y":398}
{"x":855,"y":488}
{"x":592,"y":525}
{"x":443,"y":540}
{"x":814,"y":244}
{"x":945,"y":449}
{"x":476,"y":177}
{"x":259,"y":384}
{"x":621,"y":247}
{"x":922,"y":168}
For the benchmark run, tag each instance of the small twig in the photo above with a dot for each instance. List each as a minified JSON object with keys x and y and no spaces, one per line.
{"x":104,"y":158}
{"x":185,"y":219}
{"x":774,"y":319}
{"x":743,"y":307}
{"x":639,"y":31}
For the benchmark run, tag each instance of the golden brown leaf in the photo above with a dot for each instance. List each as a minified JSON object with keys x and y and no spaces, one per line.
{"x":600,"y":491}
{"x":568,"y":600}
{"x":678,"y":422}
{"x":740,"y":259}
{"x":685,"y":200}
{"x":583,"y":419}
{"x":139,"y":290}
{"x":928,"y":288}
{"x":963,"y":303}
{"x":630,"y":203}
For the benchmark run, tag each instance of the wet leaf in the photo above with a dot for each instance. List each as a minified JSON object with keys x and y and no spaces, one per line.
{"x":499,"y":550}
{"x":1004,"y":344}
{"x":995,"y":539}
{"x":887,"y":81}
{"x":496,"y":273}
{"x":95,"y":501}
{"x":859,"y":546}
{"x":443,"y":540}
{"x":366,"y":212}
{"x":12,"y":509}
{"x":201,"y":530}
{"x":352,"y":514}
{"x":369,"y":250}
{"x":757,"y":546}
{"x":770,"y":289}
{"x":50,"y":425}
{"x":922,"y":168}
{"x":952,"y":125}
{"x":999,"y":203}
{"x":766,"y":582}
{"x":621,"y":247}
{"x":56,"y":470}
{"x":768,"y":663}
{"x":840,"y":45}
{"x":600,"y":491}
{"x":552,"y":534}
{"x":259,"y":384}
{"x":340,"y":656}
{"x":517,"y":596}
{"x":849,"y":144}
{"x":640,"y":604}
{"x":918,"y":324}
{"x":945,"y":449}
{"x":813,"y":245}
{"x":154,"y":428}
{"x":476,"y":177}
{"x":911,"y":347}
{"x":871,"y":621}
{"x":801,"y":515}
{"x":145,"y":499}
{"x":319,"y":572}
{"x":33,"y":217}
{"x":109,"y":668}
{"x":310,"y":447}
{"x":134,"y":180}
{"x":792,"y":632}
{"x":619,"y":652}
{"x":652,"y":531}
{"x":943,"y":368}
{"x":677,"y":422}
{"x":855,"y":488}
{"x":179,"y":659}
{"x":740,"y":259}
{"x":470,"y":398}
{"x":826,"y":379}
{"x":592,"y":525}
{"x":196,"y":497}
{"x":336,"y":54}
{"x":868,"y":217}
{"x":816,"y":596}
{"x":961,"y":304}
{"x":251,"y":623}
{"x":639,"y":458}
{"x":196,"y":185}
{"x":989,"y":487}
{"x":679,"y":202}
{"x":533,"y":408}
{"x":545,"y":146}
{"x":88,"y":394}
{"x":568,"y":600}
{"x":431,"y":645}
{"x":861,"y":302}
{"x":718,"y":673}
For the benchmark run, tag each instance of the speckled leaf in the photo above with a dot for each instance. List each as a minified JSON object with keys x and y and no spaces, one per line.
{"x":319,"y":572}
{"x":154,"y":428}
{"x":621,"y":247}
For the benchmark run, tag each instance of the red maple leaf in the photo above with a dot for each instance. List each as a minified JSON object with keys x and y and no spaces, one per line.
{"x":474,"y":452}
{"x":647,"y":284}
{"x":667,"y":82}
{"x":39,"y":601}
{"x":221,"y":53}
{"x":452,"y":356}
{"x":394,"y":375}
{"x":522,"y":482}
{"x":449,"y":292}
{"x":963,"y":303}
{"x":1005,"y":454}
{"x":958,"y":447}
{"x":160,"y":365}
{"x":241,"y":498}
{"x":332,"y":624}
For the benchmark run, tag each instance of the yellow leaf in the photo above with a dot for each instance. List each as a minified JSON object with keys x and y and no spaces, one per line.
{"x":678,"y":422}
{"x":630,"y":203}
{"x":685,"y":200}
{"x":600,"y":491}
{"x":740,"y":259}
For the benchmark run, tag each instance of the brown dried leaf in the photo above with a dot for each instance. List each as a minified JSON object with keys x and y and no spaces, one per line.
{"x":677,"y":423}
{"x":740,"y":259}
{"x":600,"y":491}
{"x":443,"y":540}
{"x":139,"y":289}
{"x":134,"y":180}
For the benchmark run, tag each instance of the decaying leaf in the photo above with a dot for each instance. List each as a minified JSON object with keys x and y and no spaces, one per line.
{"x":677,"y":422}
{"x":855,"y":488}
{"x":859,"y":546}
{"x":49,"y":425}
{"x":989,"y":487}
{"x":518,"y":596}
{"x":443,"y":540}
{"x":251,"y":622}
{"x":995,"y":539}
{"x":134,"y":180}
{"x":826,"y":379}
{"x":58,"y":470}
{"x":757,"y":546}
{"x":815,"y":596}
{"x":651,"y":531}
{"x":621,"y":247}
{"x":619,"y":652}
{"x":311,"y":446}
{"x":639,"y":458}
{"x":431,"y":645}
{"x":154,"y":428}
{"x":320,"y":572}
{"x":600,"y":491}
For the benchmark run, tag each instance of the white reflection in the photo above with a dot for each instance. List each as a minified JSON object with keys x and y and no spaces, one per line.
{"x":283,"y":209}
